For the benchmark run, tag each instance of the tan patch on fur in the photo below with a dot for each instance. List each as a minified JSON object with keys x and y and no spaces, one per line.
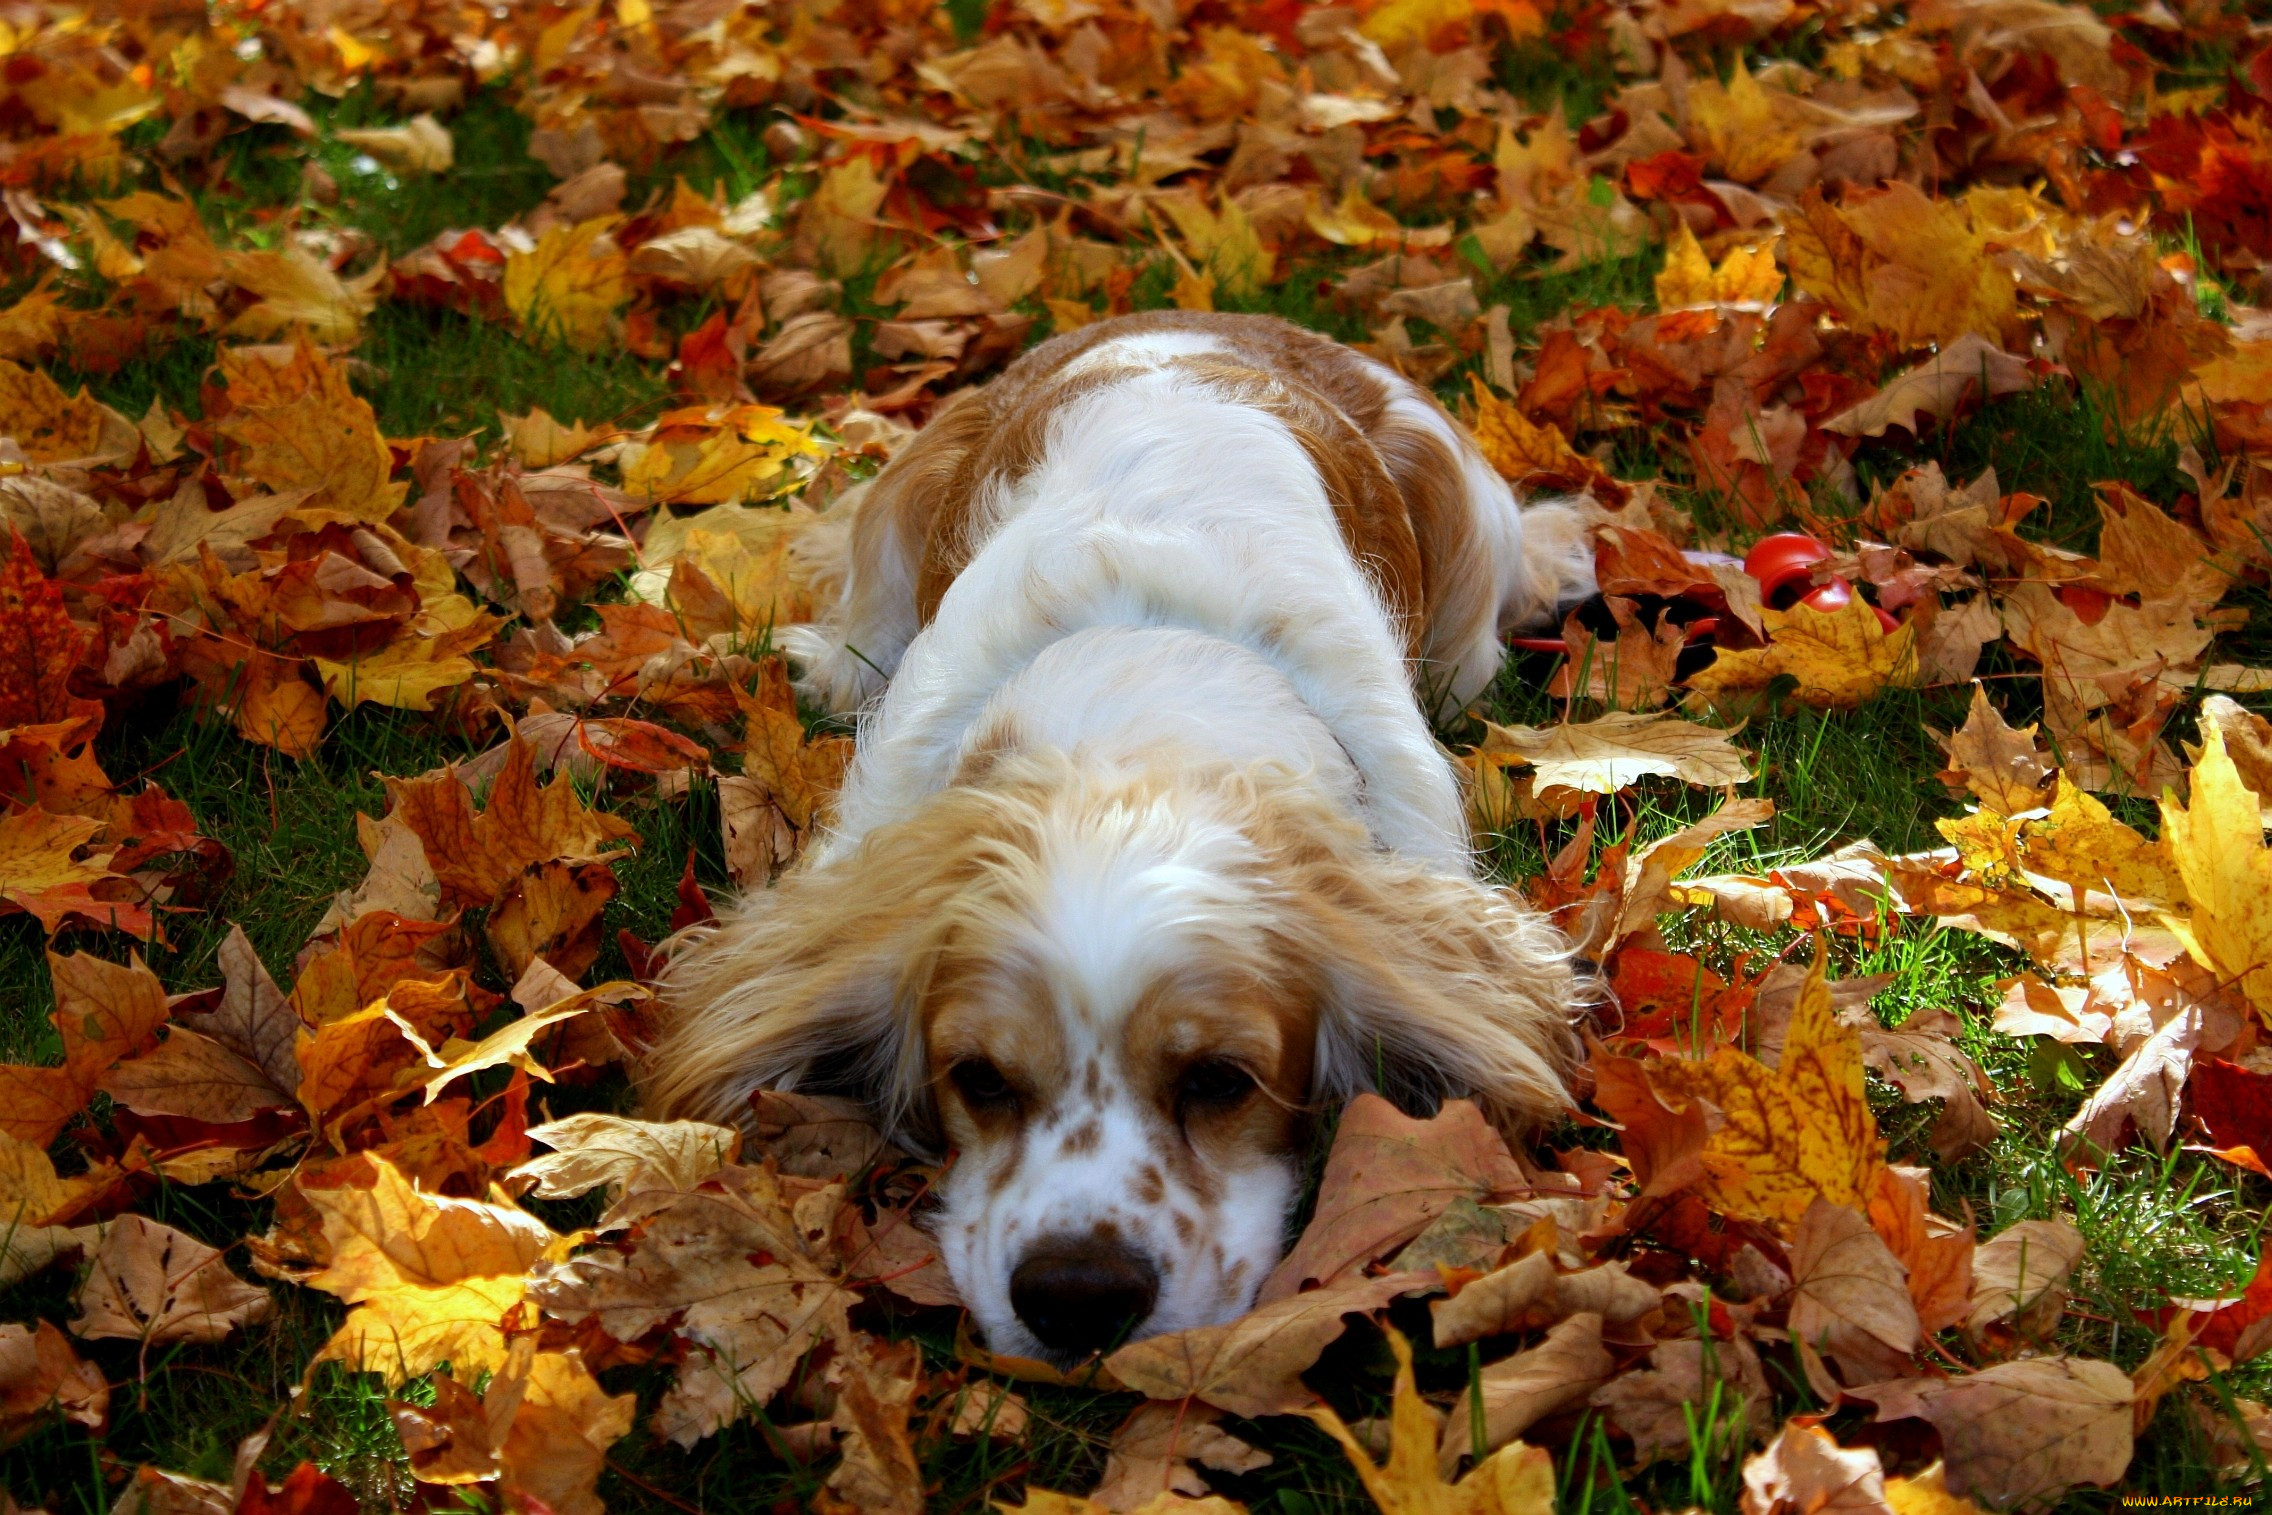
{"x":1395,"y":487}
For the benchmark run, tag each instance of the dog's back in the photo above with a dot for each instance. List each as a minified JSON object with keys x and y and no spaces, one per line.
{"x":1230,"y":477}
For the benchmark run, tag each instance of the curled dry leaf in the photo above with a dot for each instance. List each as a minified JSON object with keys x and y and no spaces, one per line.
{"x":1154,"y":1450}
{"x":1802,"y":1472}
{"x":745,"y":1326}
{"x":2020,"y":1274}
{"x":39,"y":1373}
{"x":1559,"y":1373}
{"x":1618,"y":749}
{"x":1658,"y":1406}
{"x":630,"y":1158}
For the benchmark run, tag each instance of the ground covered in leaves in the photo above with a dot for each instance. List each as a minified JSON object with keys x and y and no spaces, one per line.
{"x":408,"y":416}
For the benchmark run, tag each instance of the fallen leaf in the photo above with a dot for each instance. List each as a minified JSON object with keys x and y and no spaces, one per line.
{"x":1559,"y":1373}
{"x":1253,"y":1365}
{"x":1936,"y":387}
{"x":152,"y":1284}
{"x":1795,"y":1133}
{"x":1839,"y":659}
{"x":1387,"y":1176}
{"x":422,"y":146}
{"x":745,"y":1325}
{"x":1850,"y":1299}
{"x":1153,"y":1451}
{"x":1618,"y":749}
{"x":2021,"y":1431}
{"x":1515,"y":1480}
{"x":2218,"y":847}
{"x":40,"y":1372}
{"x":1803,"y":1471}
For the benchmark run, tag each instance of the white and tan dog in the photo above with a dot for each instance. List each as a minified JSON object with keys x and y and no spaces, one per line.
{"x":1148,"y":851}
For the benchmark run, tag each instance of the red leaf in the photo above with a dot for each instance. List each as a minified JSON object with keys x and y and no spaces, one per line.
{"x":309,"y":1490}
{"x":2235,"y":1107}
{"x":39,"y":646}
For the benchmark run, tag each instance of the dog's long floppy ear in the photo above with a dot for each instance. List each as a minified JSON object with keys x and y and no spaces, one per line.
{"x":1432,"y":986}
{"x":817,"y":983}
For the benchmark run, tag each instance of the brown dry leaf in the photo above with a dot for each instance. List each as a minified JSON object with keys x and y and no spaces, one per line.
{"x":1936,"y":387}
{"x":1560,"y":1373}
{"x":152,"y":1284}
{"x":630,"y":1158}
{"x":104,"y":1012}
{"x":1850,"y":1300}
{"x":878,"y":1473}
{"x":1253,"y":1365}
{"x":1927,"y":1494}
{"x":197,"y":1078}
{"x":421,"y":146}
{"x":1659,"y":1405}
{"x":1804,"y":1472}
{"x":745,"y":1325}
{"x":2020,"y":1274}
{"x":2003,"y":767}
{"x":1795,"y":1133}
{"x":1515,"y":1480}
{"x":1153,"y":1451}
{"x":476,"y":857}
{"x":1839,"y":659}
{"x":2021,"y":1431}
{"x":1618,"y":749}
{"x":1386,"y":1178}
{"x":40,"y":1372}
{"x":1528,"y":1295}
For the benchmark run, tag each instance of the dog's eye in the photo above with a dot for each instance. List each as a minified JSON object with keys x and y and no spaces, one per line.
{"x":982,"y":1085}
{"x":1212,"y":1084}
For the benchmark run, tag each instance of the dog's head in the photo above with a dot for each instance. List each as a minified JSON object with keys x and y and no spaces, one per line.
{"x":1115,"y":999}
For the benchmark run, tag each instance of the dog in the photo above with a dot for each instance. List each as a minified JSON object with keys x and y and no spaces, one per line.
{"x":1148,"y":851}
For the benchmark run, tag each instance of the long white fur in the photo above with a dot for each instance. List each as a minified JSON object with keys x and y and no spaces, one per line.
{"x":1171,"y":574}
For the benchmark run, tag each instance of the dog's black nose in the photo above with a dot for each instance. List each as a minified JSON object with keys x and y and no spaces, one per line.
{"x":1081,"y":1294}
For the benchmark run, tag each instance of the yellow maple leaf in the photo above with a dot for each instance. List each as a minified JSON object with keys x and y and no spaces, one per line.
{"x":705,"y":455}
{"x":1515,"y":1480}
{"x":1747,"y":130}
{"x":1353,"y":222}
{"x":1745,"y":275}
{"x":1840,"y":657}
{"x":2217,"y":841}
{"x":413,"y":1330}
{"x":1221,"y":242}
{"x":837,"y":231}
{"x":297,"y":425}
{"x":1799,"y":1130}
{"x":1518,"y":447}
{"x":49,"y":425}
{"x":569,"y":286}
{"x":1895,"y":262}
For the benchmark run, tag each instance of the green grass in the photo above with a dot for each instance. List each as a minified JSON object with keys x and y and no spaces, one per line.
{"x":2157,"y":1224}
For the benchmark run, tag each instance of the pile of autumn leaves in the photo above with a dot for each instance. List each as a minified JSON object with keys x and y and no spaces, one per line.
{"x":1748,"y":1225}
